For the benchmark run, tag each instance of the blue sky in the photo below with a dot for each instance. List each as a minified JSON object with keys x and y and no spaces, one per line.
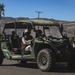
{"x":56,"y":9}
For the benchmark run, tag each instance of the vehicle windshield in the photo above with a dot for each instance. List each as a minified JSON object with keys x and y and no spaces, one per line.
{"x":53,"y":31}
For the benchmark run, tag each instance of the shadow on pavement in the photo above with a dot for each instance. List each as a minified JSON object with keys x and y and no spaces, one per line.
{"x":9,"y":65}
{"x":28,"y":65}
{"x":59,"y":68}
{"x":62,"y":68}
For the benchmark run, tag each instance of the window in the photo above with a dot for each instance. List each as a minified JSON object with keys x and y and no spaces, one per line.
{"x":53,"y":31}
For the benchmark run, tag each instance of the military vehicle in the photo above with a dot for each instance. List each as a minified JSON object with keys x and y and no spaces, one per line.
{"x":49,"y":44}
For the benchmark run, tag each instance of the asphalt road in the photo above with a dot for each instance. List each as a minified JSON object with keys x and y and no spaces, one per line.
{"x":13,"y":68}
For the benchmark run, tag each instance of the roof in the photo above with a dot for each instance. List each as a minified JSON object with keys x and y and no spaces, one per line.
{"x":25,"y":23}
{"x":18,"y":24}
{"x":44,"y":22}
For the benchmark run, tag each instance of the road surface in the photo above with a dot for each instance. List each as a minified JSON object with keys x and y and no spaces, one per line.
{"x":10,"y":67}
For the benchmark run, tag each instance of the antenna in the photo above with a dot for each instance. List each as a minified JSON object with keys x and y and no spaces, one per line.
{"x":38,"y":13}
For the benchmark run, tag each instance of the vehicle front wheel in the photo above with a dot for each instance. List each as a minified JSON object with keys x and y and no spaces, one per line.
{"x":71,"y":62}
{"x":45,"y":60}
{"x":1,"y":57}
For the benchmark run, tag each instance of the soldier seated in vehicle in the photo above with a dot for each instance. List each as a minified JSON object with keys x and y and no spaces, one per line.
{"x":38,"y":33}
{"x":26,"y":41}
{"x":15,"y":40}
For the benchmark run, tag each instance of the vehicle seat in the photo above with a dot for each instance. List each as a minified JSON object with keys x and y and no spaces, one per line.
{"x":15,"y":41}
{"x":38,"y":33}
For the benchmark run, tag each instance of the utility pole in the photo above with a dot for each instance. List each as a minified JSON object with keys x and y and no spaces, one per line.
{"x":38,"y":13}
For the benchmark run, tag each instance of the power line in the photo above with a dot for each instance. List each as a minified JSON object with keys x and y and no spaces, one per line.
{"x":38,"y":12}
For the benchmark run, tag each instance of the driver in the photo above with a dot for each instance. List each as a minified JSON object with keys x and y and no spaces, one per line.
{"x":26,"y":41}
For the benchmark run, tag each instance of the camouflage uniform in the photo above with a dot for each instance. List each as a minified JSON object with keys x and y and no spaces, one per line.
{"x":26,"y":41}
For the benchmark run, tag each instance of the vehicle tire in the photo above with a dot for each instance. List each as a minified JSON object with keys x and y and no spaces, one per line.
{"x":1,"y":57}
{"x":71,"y":63}
{"x":45,"y":60}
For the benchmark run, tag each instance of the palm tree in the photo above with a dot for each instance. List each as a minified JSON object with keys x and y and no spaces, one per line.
{"x":1,"y":10}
